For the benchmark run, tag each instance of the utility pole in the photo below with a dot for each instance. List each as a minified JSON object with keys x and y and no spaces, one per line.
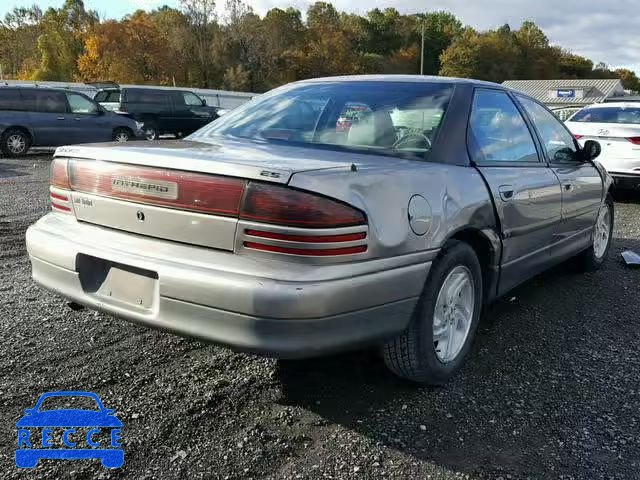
{"x":422,"y":51}
{"x":1,"y":74}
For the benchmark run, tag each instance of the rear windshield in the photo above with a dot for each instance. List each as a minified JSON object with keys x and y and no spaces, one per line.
{"x":391,"y":118}
{"x":608,"y":115}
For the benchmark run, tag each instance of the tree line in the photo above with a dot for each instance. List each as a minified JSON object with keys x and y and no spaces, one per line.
{"x":192,"y":46}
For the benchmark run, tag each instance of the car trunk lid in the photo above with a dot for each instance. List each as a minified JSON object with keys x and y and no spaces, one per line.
{"x":617,"y":140}
{"x":181,"y":191}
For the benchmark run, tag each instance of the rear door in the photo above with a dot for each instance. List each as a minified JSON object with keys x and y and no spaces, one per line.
{"x":50,"y":119}
{"x":526,"y":193}
{"x":582,"y":186}
{"x":89,"y":122}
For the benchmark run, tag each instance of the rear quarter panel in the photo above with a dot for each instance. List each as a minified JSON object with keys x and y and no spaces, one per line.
{"x":457,"y":196}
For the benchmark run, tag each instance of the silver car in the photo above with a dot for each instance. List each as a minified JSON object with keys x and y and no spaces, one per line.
{"x":326,"y":215}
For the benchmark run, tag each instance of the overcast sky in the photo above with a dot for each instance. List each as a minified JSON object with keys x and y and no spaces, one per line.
{"x":602,"y":30}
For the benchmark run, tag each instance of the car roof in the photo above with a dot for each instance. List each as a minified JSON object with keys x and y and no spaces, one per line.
{"x":46,"y":88}
{"x":615,"y":104}
{"x":403,"y":78}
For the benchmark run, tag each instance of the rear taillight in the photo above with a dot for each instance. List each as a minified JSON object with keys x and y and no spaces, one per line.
{"x":634,"y":140}
{"x":284,"y":206}
{"x":60,"y":174}
{"x":169,"y":188}
{"x":59,"y":186}
{"x":307,"y":252}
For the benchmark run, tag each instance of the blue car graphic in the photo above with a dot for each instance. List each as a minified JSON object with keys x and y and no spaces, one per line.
{"x":69,"y":419}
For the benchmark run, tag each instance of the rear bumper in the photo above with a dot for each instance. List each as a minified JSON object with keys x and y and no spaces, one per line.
{"x":626,"y":180}
{"x":259,"y":305}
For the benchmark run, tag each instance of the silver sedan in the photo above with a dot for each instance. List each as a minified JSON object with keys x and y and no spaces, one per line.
{"x":326,"y":215}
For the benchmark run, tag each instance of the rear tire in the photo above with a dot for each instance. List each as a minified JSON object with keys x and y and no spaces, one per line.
{"x":593,"y":257}
{"x":15,"y":143}
{"x":420,"y":354}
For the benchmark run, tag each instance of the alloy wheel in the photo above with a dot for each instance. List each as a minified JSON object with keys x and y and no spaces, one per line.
{"x":453,"y":314}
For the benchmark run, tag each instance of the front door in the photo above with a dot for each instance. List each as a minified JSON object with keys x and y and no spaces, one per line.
{"x":526,"y":193}
{"x":190,"y":114}
{"x":89,"y":122}
{"x":582,"y":186}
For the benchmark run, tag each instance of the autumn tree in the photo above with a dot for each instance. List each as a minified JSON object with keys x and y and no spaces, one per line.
{"x":629,"y":79}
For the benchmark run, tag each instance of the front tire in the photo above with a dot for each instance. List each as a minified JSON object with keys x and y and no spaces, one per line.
{"x":150,"y":130}
{"x":593,"y":257}
{"x":439,"y":336}
{"x":122,"y":135}
{"x":15,"y":143}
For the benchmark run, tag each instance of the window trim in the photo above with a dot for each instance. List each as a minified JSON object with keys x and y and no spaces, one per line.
{"x":548,"y":160}
{"x":472,"y":149}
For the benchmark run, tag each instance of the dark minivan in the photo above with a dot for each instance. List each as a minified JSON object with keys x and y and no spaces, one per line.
{"x":177,"y":112}
{"x":42,"y":116}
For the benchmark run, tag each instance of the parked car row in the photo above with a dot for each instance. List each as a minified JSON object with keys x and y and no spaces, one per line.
{"x":32,"y":116}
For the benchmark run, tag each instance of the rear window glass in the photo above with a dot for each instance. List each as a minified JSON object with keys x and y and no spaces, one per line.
{"x":10,"y":99}
{"x":390,"y":118}
{"x":45,"y":101}
{"x":113,"y":97}
{"x":630,"y":115}
{"x":146,"y":96}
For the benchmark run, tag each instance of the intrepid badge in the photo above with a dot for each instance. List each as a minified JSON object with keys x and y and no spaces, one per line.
{"x":145,"y":187}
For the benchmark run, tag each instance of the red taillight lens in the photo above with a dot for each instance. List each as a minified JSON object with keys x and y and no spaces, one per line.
{"x":322,"y":252}
{"x":153,"y":186}
{"x":634,"y":140}
{"x":344,"y":237}
{"x":284,"y":206}
{"x":578,"y":137}
{"x":60,"y":173}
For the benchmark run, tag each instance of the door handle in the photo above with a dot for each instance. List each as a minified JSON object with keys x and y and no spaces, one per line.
{"x":506,"y":192}
{"x":568,"y":187}
{"x":60,"y":118}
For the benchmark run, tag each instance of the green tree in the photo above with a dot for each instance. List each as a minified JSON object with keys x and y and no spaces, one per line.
{"x":62,"y":40}
{"x":486,"y":56}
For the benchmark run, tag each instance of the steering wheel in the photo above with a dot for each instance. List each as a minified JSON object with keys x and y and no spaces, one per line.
{"x":412,"y":136}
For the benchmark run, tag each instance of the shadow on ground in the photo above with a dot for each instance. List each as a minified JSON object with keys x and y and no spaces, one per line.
{"x":530,"y":397}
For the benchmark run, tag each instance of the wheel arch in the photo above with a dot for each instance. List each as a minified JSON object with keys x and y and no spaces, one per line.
{"x":487,"y":246}
{"x":22,"y":128}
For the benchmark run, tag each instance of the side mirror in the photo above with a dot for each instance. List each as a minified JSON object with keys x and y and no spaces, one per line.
{"x":204,"y":102}
{"x":109,"y":411}
{"x":28,"y":410}
{"x":591,"y":150}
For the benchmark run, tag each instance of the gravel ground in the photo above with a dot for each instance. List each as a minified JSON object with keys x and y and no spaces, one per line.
{"x":550,"y":390}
